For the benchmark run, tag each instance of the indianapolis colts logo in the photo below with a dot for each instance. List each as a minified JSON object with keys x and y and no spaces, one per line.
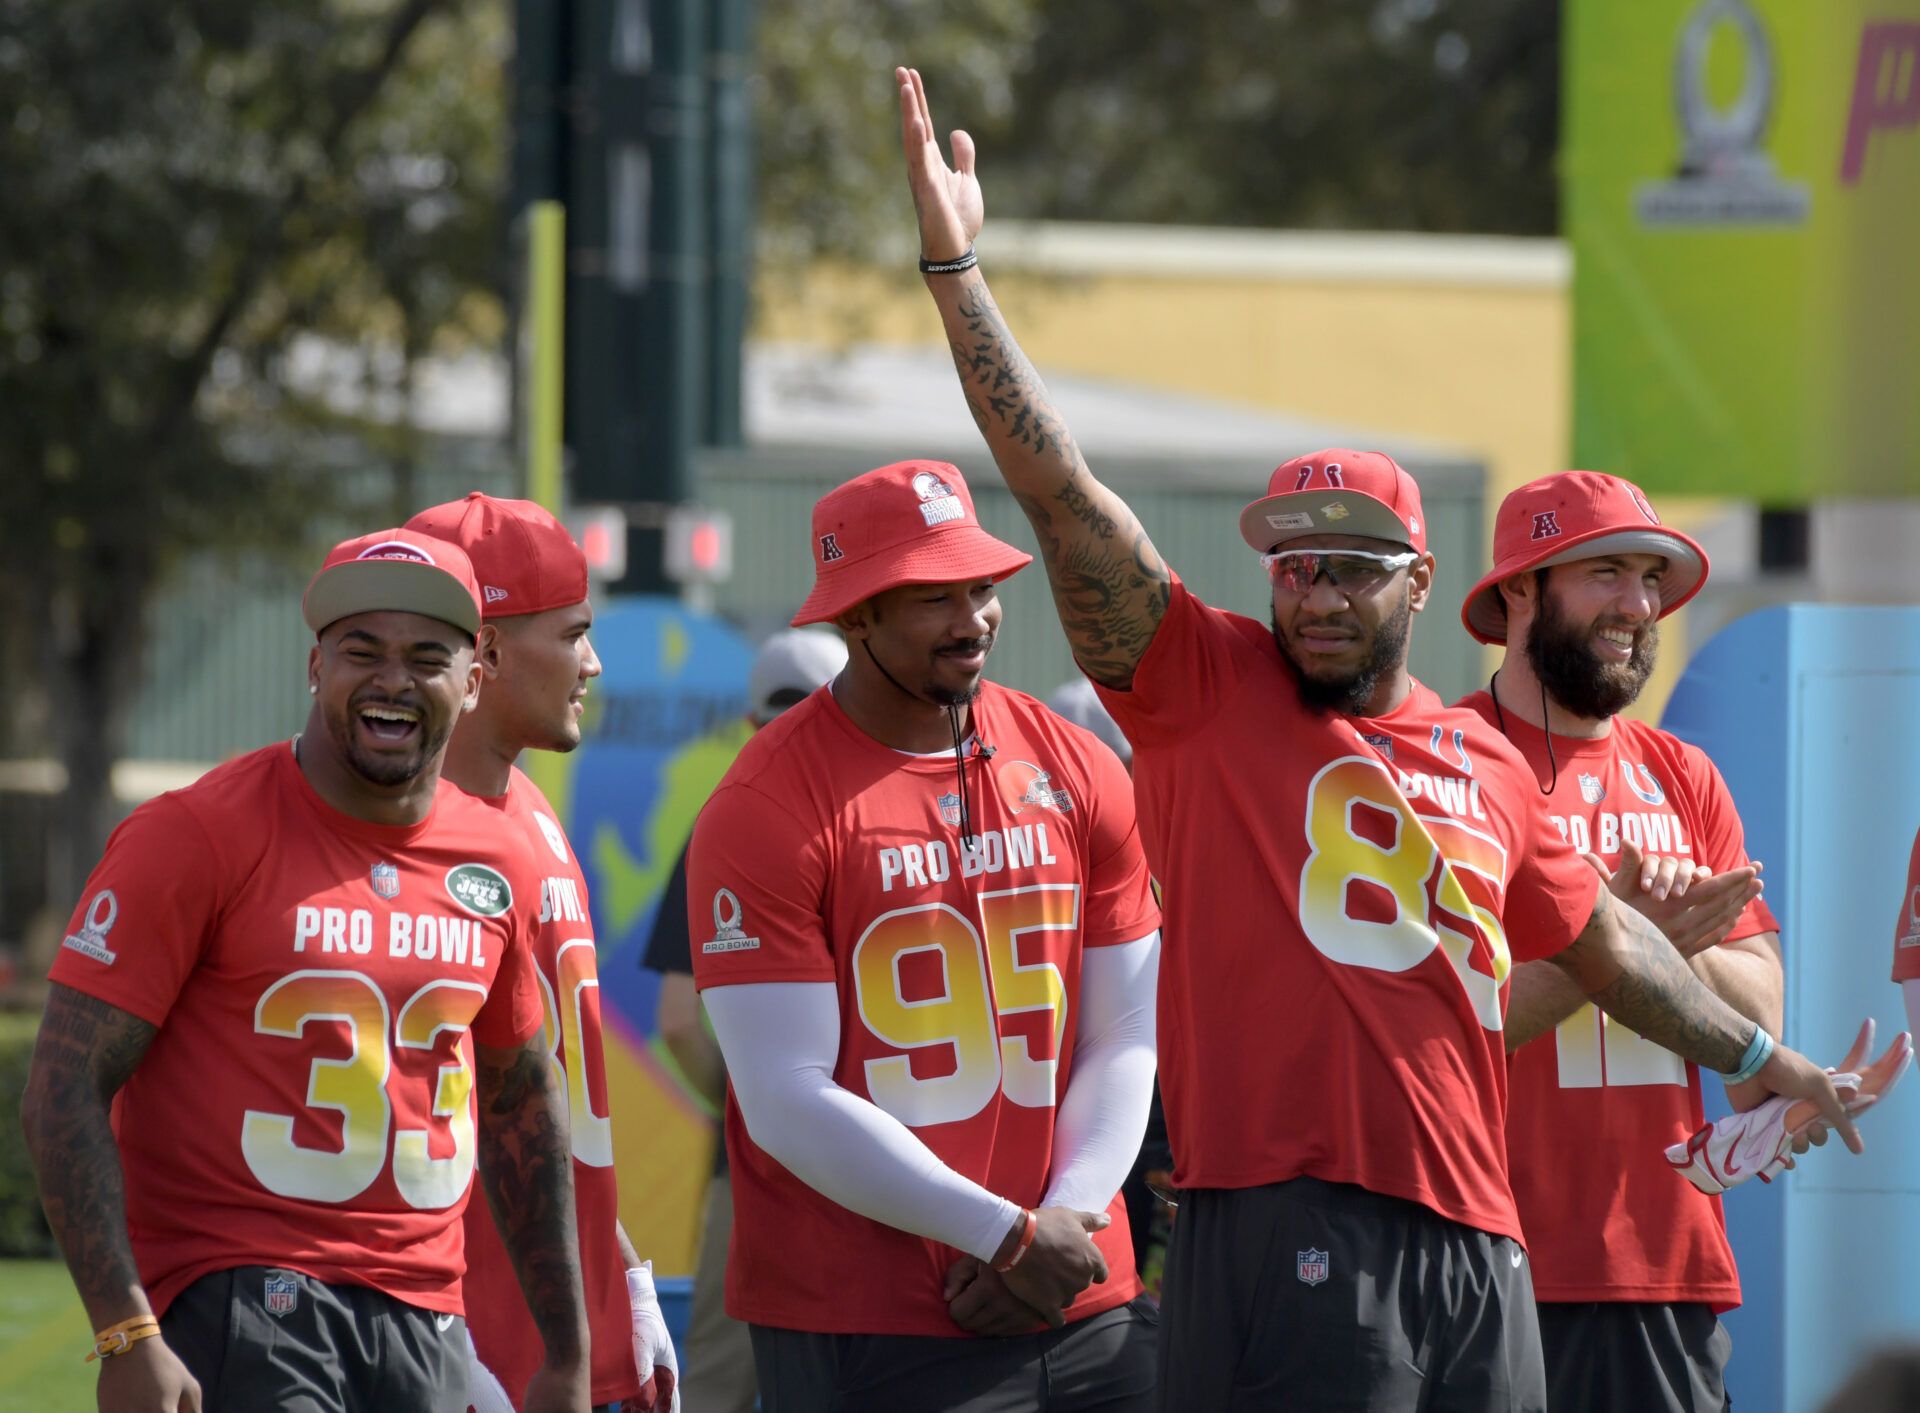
{"x":1650,"y":792}
{"x":1459,"y":748}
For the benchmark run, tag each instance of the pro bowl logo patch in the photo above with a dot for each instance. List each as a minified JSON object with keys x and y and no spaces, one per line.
{"x":1025,"y":786}
{"x":386,"y":880}
{"x":1591,"y":790}
{"x":949,"y":808}
{"x":482,"y":891}
{"x":282,"y":1294}
{"x":395,"y":549}
{"x":91,"y":939}
{"x":728,"y":934}
{"x":938,"y":503}
{"x":1311,"y":1266}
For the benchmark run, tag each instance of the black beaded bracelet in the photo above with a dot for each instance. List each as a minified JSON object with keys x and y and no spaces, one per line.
{"x":949,"y":267}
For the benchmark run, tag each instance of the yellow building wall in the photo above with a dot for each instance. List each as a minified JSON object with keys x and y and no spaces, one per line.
{"x":1459,"y":342}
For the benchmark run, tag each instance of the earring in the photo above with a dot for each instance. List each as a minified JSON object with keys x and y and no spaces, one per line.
{"x":313,"y":689}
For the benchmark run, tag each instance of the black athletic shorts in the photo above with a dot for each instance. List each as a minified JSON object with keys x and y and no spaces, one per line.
{"x":1102,"y":1364}
{"x":1309,"y":1295}
{"x":1619,"y":1357}
{"x":260,"y":1338}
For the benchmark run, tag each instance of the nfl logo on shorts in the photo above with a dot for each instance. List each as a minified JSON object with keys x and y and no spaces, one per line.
{"x":282,"y":1294}
{"x":1591,"y":790}
{"x":386,"y":880}
{"x":1310,"y":1266}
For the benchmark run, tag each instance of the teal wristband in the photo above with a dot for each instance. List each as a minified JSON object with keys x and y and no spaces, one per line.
{"x":1759,"y":1051}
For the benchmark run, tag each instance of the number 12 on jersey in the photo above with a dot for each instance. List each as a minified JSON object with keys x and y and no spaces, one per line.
{"x":1013,"y":970}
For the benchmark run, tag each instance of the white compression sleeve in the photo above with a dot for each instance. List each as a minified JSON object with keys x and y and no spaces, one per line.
{"x":1103,"y":1114}
{"x":780,"y":1040}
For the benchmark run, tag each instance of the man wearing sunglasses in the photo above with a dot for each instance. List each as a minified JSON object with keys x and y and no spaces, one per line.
{"x":1349,"y":866}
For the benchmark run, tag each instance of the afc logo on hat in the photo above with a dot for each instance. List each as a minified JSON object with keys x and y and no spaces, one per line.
{"x":830,"y":549}
{"x":1546,"y":524}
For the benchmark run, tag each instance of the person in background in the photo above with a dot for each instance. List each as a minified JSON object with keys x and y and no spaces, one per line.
{"x":788,"y":668}
{"x":537,"y":663}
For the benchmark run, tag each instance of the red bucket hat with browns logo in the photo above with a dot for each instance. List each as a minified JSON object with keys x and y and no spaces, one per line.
{"x":1578,"y":515}
{"x":909,"y":523}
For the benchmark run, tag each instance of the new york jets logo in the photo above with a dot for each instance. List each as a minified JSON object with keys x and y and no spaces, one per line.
{"x":479,"y":889}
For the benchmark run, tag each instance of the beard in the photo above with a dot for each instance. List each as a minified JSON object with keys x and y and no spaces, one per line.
{"x":1351,"y":692}
{"x":385,"y":770}
{"x":1562,"y":657}
{"x":958,"y":696}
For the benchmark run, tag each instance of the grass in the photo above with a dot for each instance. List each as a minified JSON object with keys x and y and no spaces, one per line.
{"x":43,"y":1340}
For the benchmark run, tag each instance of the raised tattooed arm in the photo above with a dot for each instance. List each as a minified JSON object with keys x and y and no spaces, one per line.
{"x":526,"y":1171}
{"x":1629,"y":970}
{"x":1109,"y":583}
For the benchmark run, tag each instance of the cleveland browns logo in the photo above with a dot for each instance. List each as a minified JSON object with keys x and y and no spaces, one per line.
{"x":1026,"y":786}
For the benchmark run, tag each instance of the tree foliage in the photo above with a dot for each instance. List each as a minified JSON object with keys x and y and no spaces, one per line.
{"x":193,"y":187}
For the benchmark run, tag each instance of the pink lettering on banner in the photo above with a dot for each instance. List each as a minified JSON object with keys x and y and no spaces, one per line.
{"x":1886,"y":89}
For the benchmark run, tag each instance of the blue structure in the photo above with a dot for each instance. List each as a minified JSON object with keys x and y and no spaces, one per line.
{"x":1810,"y":713}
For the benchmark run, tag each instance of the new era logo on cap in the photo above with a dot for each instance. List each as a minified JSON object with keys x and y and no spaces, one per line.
{"x":494,"y":594}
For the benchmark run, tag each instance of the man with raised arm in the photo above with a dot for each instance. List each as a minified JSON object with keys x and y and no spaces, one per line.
{"x":287,"y":990}
{"x":1349,"y":867}
{"x":922,"y":927}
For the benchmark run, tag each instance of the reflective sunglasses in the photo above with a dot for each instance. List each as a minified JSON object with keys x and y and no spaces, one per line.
{"x":1356,"y":571}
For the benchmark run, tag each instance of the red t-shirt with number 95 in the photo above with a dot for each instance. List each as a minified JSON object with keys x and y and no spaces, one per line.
{"x":305,"y":1103}
{"x":825,"y":856}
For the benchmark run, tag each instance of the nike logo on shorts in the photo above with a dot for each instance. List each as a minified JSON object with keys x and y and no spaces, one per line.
{"x":1516,"y":1256}
{"x":442,"y":1323}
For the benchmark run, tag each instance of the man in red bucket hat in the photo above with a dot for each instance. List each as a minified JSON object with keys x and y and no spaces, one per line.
{"x":923,"y":930}
{"x":1631,"y":1268}
{"x":1350,"y":867}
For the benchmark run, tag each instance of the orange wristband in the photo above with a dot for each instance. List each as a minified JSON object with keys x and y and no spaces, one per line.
{"x":118,"y":1339}
{"x":1026,"y":1240}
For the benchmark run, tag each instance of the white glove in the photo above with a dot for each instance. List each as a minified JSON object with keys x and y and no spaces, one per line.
{"x":652,"y":1346}
{"x":1759,"y":1143}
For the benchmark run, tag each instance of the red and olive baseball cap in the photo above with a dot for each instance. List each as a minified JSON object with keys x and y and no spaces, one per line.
{"x":397,"y":571}
{"x":1578,"y":515}
{"x":1337,"y":492}
{"x":525,"y":560}
{"x":908,"y":523}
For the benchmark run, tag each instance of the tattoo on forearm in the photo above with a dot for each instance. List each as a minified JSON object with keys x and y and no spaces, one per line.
{"x":526,"y":1171}
{"x":85,"y":1050}
{"x":1109,"y":583}
{"x":1658,"y":995}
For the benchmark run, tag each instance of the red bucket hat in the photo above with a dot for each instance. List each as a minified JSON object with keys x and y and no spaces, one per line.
{"x":1578,"y":515}
{"x":909,"y":523}
{"x":524,"y":558}
{"x":1337,"y":492}
{"x":398,"y":571}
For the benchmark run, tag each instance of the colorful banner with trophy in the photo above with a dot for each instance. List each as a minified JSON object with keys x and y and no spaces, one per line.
{"x":1743,"y":198}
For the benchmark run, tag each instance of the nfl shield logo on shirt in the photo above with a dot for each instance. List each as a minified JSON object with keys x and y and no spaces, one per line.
{"x":386,"y":880}
{"x":1591,"y":790}
{"x":282,"y":1294}
{"x":1310,"y":1266}
{"x":949,"y":808}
